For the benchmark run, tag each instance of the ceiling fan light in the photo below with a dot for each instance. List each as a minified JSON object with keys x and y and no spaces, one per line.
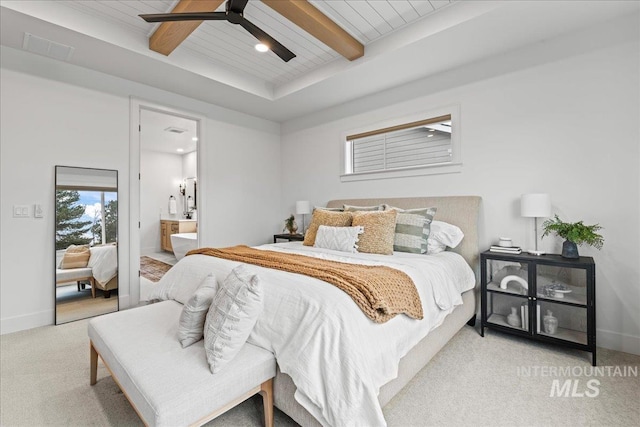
{"x":261,"y":47}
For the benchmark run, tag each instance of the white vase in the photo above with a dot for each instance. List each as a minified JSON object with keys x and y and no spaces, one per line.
{"x":513,"y":319}
{"x":550,"y":323}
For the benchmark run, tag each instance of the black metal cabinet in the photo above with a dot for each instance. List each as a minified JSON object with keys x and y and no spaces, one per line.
{"x":289,"y":237}
{"x":547,"y":298}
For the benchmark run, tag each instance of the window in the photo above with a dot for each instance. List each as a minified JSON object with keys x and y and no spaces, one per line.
{"x":416,"y":148}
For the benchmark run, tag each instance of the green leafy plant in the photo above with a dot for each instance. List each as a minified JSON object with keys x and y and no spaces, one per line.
{"x":576,"y":232}
{"x":290,"y":224}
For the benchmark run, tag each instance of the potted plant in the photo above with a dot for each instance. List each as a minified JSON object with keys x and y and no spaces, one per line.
{"x":290,"y":225}
{"x":574,"y":234}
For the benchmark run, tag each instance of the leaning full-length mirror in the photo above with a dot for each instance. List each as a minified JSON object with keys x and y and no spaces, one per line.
{"x":86,"y":242}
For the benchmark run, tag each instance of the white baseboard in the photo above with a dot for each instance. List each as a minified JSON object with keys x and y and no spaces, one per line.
{"x":26,"y":321}
{"x":618,"y":341}
{"x":41,"y":318}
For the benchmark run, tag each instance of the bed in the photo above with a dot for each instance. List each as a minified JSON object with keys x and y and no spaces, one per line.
{"x":461,"y":211}
{"x":101,"y":271}
{"x":334,"y":363}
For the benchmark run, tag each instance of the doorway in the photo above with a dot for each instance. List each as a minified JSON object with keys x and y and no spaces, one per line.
{"x":166,"y":199}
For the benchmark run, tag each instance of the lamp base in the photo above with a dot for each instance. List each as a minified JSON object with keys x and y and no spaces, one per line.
{"x":534,"y":252}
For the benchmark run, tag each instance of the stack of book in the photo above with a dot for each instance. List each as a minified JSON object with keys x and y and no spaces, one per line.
{"x":506,"y":249}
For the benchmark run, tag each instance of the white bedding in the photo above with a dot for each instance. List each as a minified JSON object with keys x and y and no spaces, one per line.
{"x":104,"y":263}
{"x":337,"y":357}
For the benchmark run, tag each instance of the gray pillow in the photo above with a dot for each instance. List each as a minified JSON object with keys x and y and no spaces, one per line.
{"x":232,"y":316}
{"x":194,"y":312}
{"x":413,"y":227}
{"x":351,"y":208}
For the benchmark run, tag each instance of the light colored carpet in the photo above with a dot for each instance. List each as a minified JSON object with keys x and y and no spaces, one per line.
{"x":472,"y":381}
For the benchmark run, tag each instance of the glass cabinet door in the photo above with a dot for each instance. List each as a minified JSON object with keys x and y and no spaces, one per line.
{"x":508,"y":277}
{"x":562,"y":321}
{"x":562,"y":303}
{"x":508,"y":294}
{"x":562,"y":284}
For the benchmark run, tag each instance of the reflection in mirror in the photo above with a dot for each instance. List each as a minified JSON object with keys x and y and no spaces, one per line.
{"x":190,"y":197}
{"x":86,"y":236}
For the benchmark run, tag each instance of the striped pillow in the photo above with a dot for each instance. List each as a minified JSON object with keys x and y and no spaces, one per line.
{"x":412,"y":229}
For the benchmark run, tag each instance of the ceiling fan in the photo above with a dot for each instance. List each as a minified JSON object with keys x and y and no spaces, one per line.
{"x":234,"y":13}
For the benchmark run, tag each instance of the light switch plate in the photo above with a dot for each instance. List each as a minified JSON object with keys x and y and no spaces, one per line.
{"x":21,"y":211}
{"x":37,"y":211}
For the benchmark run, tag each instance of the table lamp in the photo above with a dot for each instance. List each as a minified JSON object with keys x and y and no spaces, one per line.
{"x":303,"y":208}
{"x":536,"y":205}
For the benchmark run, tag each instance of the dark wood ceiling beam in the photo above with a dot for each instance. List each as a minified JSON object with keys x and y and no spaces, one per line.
{"x":306,"y":16}
{"x":169,"y":35}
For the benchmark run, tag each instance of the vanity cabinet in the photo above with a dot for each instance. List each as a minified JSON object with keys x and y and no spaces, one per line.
{"x":169,"y":227}
{"x":546,"y":298}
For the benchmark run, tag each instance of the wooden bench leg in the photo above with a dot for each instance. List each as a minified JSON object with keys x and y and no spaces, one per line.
{"x":94,"y":364}
{"x":266,"y":391}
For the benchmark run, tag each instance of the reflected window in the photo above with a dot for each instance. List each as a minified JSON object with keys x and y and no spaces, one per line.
{"x":85,"y":217}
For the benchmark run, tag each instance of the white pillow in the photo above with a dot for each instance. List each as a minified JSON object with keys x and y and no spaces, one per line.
{"x":194,"y":312}
{"x":180,"y":282}
{"x":342,"y":239}
{"x":231,"y":317}
{"x":442,"y":235}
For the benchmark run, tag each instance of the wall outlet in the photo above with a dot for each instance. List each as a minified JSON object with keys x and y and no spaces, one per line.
{"x":20,"y":211}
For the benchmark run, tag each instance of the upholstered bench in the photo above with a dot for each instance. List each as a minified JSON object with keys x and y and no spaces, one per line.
{"x":166,"y":384}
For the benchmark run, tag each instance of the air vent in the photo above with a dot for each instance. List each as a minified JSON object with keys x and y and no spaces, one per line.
{"x":174,"y":129}
{"x":46,"y":47}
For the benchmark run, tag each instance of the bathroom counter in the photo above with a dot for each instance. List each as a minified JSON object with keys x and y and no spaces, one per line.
{"x":177,"y":220}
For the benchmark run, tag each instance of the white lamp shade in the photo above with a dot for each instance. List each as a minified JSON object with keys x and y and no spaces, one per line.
{"x":303,"y":207}
{"x":536,"y":205}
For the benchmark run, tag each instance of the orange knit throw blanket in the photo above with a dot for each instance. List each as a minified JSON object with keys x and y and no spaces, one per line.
{"x":381,"y":292}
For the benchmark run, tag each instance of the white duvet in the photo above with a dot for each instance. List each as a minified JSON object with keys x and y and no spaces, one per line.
{"x":104,"y":263}
{"x":337,"y":357}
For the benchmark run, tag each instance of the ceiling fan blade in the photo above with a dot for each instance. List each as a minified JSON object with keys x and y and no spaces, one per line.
{"x":186,"y":16}
{"x":236,"y":6}
{"x":285,"y":54}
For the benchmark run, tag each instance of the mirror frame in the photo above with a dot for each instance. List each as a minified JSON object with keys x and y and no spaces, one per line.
{"x":55,"y":216}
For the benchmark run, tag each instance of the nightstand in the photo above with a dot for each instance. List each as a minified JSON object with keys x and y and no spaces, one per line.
{"x":289,"y":237}
{"x":545,"y":298}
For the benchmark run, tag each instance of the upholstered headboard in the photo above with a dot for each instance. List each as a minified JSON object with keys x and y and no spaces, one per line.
{"x":458,"y":210}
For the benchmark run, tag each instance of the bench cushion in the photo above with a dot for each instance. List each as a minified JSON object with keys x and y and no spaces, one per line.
{"x":72,"y":274}
{"x":170,"y":385}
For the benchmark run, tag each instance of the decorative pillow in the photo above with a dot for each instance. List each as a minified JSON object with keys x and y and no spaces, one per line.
{"x":412,"y":229}
{"x":194,"y":312}
{"x":180,"y":282}
{"x":232,"y":315}
{"x":323,"y":217}
{"x":76,"y":256}
{"x":350,"y":208}
{"x":379,"y":230}
{"x":442,"y":235}
{"x":343,"y":239}
{"x":322,"y":208}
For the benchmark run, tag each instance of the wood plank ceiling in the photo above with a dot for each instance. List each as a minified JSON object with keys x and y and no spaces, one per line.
{"x":231,"y":46}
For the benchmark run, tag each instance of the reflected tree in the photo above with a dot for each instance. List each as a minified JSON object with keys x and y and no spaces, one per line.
{"x":70,"y":229}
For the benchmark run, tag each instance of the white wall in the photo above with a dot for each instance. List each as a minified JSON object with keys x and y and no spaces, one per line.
{"x":190,"y":165}
{"x":568,"y":128}
{"x":45,"y":124}
{"x":161,"y":176}
{"x":56,"y":113}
